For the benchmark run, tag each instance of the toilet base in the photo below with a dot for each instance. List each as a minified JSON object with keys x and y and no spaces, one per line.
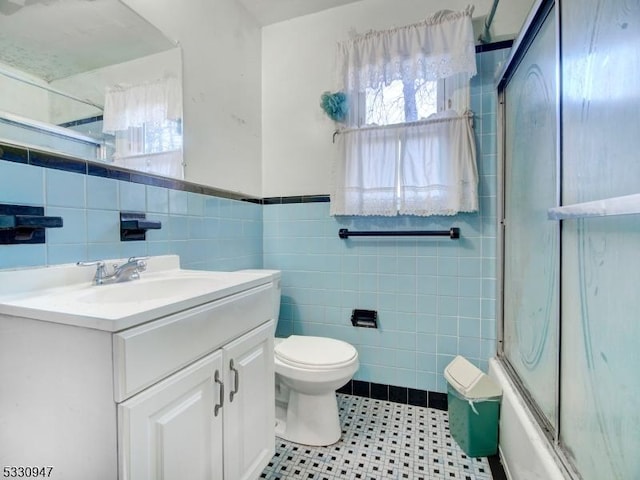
{"x":309,"y":419}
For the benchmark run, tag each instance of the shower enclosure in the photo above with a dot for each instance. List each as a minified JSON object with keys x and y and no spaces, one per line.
{"x":570,"y":136}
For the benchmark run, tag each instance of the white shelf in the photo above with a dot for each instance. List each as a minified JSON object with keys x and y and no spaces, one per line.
{"x":625,"y":205}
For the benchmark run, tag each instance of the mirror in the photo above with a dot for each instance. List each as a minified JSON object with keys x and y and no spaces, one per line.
{"x":70,"y":69}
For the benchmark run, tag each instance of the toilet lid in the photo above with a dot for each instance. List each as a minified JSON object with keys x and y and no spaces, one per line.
{"x":315,"y":351}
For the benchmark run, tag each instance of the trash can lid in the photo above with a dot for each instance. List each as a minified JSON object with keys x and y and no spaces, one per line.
{"x":469,"y":380}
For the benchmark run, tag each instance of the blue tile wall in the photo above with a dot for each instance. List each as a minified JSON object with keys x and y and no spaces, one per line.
{"x":208,"y":233}
{"x":435,"y":297}
{"x":21,"y":184}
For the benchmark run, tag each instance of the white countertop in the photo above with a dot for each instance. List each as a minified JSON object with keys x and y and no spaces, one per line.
{"x":65,"y":293}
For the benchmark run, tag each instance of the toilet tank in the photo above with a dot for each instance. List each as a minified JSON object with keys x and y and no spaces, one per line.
{"x":277,"y":289}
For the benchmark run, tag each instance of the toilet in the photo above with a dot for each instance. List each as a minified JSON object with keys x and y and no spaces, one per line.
{"x":309,"y":370}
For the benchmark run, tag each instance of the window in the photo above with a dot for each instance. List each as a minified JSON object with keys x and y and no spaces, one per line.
{"x":408,"y":143}
{"x":403,"y":101}
{"x":146,"y":120}
{"x":152,"y":137}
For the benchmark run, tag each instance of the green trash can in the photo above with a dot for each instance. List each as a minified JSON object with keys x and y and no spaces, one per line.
{"x":474,"y":408}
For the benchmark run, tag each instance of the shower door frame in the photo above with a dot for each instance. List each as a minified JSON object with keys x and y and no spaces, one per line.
{"x":536,"y":18}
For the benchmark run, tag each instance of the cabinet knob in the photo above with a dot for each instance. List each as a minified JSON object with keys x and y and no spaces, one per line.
{"x":236,"y":380}
{"x":218,"y":406}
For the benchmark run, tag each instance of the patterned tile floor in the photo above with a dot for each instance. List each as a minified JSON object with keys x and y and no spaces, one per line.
{"x":381,"y":440}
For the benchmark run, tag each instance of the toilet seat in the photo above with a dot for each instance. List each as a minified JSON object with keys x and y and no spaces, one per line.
{"x":315,"y":353}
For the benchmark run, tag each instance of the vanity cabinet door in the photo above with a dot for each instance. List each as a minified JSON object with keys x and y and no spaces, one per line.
{"x":249,"y":411}
{"x":170,"y":431}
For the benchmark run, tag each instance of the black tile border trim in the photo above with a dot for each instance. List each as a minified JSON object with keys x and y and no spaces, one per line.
{"x":295,"y":199}
{"x":39,"y":158}
{"x":11,"y":153}
{"x":28,"y":156}
{"x":47,"y":160}
{"x":392,"y":393}
{"x":82,"y":121}
{"x":489,"y":47}
{"x":497,"y":470}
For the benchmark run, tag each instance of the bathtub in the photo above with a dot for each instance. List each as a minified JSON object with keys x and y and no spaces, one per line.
{"x":524,"y":450}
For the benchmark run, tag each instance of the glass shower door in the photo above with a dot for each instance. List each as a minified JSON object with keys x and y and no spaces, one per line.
{"x":530,"y":277}
{"x":600,"y":414}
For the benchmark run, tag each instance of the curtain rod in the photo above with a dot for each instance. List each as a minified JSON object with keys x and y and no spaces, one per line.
{"x":485,"y":36}
{"x":426,"y":121}
{"x":452,"y":233}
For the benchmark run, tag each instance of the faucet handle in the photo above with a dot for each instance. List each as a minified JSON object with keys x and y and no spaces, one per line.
{"x":140,"y":261}
{"x":98,"y":263}
{"x":100,"y":270}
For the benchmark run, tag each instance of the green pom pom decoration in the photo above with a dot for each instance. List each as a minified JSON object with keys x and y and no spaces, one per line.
{"x":335,"y":105}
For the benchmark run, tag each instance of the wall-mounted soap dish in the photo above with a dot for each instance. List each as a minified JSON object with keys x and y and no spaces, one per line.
{"x":24,"y":224}
{"x":134,"y":226}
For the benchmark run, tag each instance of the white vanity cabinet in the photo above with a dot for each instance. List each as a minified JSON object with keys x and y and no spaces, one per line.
{"x":181,"y":390}
{"x":211,"y":420}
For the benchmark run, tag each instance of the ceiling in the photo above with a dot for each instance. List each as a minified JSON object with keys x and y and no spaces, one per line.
{"x":53,"y":39}
{"x":273,"y":11}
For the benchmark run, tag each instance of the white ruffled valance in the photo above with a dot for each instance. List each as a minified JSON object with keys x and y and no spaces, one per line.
{"x":129,"y":106}
{"x":437,"y":48}
{"x":408,"y":145}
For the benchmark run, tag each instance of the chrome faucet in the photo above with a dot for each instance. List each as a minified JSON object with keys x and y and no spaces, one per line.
{"x":121,"y":273}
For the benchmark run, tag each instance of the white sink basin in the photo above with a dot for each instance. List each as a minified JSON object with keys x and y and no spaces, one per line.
{"x":65,"y":293}
{"x":154,"y":289}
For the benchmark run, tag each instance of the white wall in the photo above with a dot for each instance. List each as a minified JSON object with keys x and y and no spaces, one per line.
{"x":221,"y":52}
{"x":19,"y":98}
{"x":298,"y":65}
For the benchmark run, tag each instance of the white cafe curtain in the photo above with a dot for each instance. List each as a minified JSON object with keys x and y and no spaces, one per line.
{"x":150,"y":102}
{"x":425,"y":163}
